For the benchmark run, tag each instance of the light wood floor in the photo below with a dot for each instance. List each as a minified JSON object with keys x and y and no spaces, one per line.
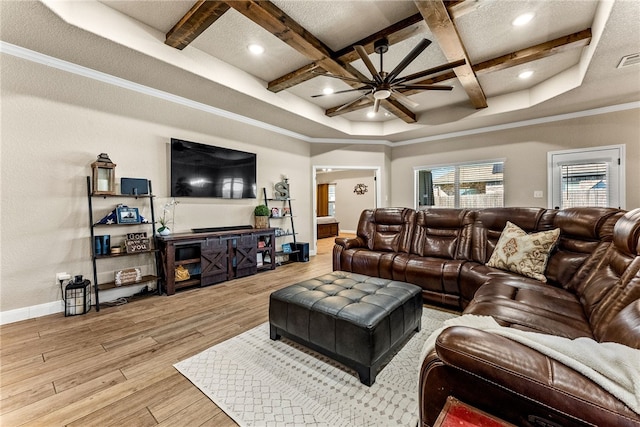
{"x":115,"y":367}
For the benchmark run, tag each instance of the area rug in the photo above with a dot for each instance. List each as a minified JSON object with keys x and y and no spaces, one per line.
{"x":260,"y":382}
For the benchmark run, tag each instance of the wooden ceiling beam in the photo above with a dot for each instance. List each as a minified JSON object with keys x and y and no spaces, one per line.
{"x":281,"y":25}
{"x":561,"y":44}
{"x":193,"y":23}
{"x":533,"y":53}
{"x":442,"y":27}
{"x":399,"y":110}
{"x":395,"y":33}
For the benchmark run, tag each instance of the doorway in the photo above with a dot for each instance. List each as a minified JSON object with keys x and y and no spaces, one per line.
{"x":344,"y":181}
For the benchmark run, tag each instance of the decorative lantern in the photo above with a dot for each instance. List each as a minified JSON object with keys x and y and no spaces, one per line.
{"x":104,"y":172}
{"x":77,"y":297}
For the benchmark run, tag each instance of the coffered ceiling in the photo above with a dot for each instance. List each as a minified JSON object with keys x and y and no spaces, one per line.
{"x":571,"y":48}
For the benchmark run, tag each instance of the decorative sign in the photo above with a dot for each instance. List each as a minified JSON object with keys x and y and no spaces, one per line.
{"x":140,"y":235}
{"x":127,"y":276}
{"x":137,"y":245}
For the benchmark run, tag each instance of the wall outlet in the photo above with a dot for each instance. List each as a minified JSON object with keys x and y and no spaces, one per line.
{"x":538,"y":194}
{"x":62,"y":276}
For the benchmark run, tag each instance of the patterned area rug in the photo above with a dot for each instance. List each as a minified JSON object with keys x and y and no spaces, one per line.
{"x":259,"y":382}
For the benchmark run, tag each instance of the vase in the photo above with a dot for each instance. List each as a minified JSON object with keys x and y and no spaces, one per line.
{"x":165,"y":232}
{"x":262,"y":222}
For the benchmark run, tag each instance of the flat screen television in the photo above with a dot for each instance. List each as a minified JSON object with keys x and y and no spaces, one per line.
{"x":199,"y":170}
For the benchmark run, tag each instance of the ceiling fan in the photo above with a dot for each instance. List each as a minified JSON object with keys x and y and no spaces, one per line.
{"x":388,"y":85}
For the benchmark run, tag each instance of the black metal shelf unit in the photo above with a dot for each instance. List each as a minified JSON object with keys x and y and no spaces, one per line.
{"x":280,"y":222}
{"x":148,"y":198}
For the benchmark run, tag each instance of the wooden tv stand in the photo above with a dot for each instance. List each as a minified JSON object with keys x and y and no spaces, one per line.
{"x":214,"y":257}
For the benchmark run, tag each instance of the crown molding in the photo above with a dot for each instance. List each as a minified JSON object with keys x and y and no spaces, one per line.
{"x":50,"y":61}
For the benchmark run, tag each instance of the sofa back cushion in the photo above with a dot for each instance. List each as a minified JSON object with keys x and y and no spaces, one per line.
{"x":490,"y":222}
{"x":585,"y":235}
{"x":387,"y":229}
{"x":443,"y":233}
{"x":614,"y":282}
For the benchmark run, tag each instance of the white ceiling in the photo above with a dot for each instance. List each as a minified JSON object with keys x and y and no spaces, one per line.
{"x":128,"y":36}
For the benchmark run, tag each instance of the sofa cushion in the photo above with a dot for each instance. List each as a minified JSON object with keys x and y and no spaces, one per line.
{"x":523,"y":253}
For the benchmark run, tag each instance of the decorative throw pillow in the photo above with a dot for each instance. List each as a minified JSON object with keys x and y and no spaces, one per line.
{"x":523,"y":253}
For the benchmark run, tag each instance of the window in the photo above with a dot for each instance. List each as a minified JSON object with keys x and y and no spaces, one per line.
{"x":591,"y":177}
{"x":478,"y":185}
{"x":332,"y":200}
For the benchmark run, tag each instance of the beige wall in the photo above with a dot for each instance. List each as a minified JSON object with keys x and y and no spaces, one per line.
{"x":359,"y":156}
{"x":54,"y":124}
{"x":524,"y":150}
{"x":349,"y":205}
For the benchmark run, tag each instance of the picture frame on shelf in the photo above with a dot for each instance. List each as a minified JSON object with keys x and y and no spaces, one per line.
{"x":127,"y":215}
{"x":275,"y":213}
{"x":286,"y":248}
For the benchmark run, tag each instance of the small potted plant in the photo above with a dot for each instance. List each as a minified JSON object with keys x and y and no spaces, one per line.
{"x":261,"y":212}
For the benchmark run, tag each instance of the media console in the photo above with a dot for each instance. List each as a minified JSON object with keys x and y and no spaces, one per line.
{"x":215,"y":256}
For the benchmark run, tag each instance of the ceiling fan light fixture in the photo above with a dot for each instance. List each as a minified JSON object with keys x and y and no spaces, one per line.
{"x":382,"y":94}
{"x":255,"y":49}
{"x":523,"y":19}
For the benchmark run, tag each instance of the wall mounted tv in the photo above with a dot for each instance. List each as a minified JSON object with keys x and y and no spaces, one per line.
{"x":199,"y":170}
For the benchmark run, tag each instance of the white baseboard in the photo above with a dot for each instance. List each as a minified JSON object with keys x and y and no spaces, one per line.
{"x":31,"y":312}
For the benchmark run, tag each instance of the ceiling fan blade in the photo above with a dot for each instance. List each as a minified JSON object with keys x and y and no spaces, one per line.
{"x":404,"y":99}
{"x":349,"y":104}
{"x":376,"y":105}
{"x":340,"y":91}
{"x":433,"y":70}
{"x":408,"y":59}
{"x":347,"y":79}
{"x":362,"y":53}
{"x":424,"y":87}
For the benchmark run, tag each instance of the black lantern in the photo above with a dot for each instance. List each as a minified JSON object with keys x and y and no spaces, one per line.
{"x":77,"y":297}
{"x":104,"y":172}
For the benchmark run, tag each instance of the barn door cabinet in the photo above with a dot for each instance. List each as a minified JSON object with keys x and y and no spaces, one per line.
{"x":215,"y":257}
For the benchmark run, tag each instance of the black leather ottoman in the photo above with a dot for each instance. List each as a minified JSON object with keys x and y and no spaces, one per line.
{"x":355,"y":319}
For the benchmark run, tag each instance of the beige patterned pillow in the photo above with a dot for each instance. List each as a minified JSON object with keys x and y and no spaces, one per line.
{"x":523,"y":253}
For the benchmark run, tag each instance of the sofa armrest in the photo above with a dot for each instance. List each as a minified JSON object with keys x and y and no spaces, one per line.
{"x":513,"y":382}
{"x":350,"y":242}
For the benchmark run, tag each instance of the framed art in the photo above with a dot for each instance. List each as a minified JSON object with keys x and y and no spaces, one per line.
{"x":126,"y":215}
{"x":286,"y":248}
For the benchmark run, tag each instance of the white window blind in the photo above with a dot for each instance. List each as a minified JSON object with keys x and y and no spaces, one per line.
{"x":584,"y":185}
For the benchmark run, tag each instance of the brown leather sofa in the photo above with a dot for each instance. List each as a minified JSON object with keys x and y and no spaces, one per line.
{"x":592,"y":290}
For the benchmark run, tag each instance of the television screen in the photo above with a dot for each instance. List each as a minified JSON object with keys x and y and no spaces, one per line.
{"x":199,"y":170}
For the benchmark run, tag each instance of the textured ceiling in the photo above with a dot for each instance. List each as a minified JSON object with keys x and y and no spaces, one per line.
{"x":484,"y":27}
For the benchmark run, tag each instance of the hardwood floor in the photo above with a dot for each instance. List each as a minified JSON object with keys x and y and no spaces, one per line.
{"x":115,"y":367}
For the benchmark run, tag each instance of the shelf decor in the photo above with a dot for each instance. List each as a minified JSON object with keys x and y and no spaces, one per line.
{"x":127,"y":215}
{"x":104,"y":172}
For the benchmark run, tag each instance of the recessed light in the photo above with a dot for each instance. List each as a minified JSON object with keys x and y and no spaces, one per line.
{"x":327,"y":90}
{"x":525,"y":74}
{"x":256,"y":49}
{"x":371,"y":114}
{"x":523,"y":19}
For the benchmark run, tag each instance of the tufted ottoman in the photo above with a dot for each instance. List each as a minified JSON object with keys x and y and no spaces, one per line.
{"x":355,"y":319}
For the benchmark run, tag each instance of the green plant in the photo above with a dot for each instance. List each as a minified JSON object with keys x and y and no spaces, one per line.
{"x":261,"y":210}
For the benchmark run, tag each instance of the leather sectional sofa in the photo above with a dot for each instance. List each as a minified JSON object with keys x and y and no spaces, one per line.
{"x":592,"y":290}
